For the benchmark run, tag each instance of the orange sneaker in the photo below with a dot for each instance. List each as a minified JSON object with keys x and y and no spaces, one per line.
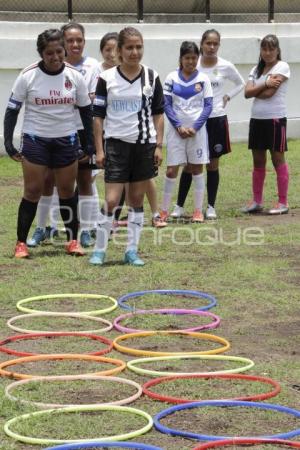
{"x":21,"y":250}
{"x":197,"y":216}
{"x":164,"y":215}
{"x":74,"y":248}
{"x":157,"y":222}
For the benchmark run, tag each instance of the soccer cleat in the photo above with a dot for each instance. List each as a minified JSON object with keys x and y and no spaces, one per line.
{"x":252,"y":208}
{"x":177,"y":212}
{"x":21,"y":250}
{"x":197,"y":216}
{"x":85,"y":239}
{"x":74,"y":248}
{"x":157,"y":222}
{"x":39,"y":235}
{"x":164,"y":215}
{"x":133,"y":259}
{"x":279,"y":208}
{"x":210,"y":213}
{"x":97,"y":258}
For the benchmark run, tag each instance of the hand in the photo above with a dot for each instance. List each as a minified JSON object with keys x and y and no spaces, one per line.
{"x":191,"y":131}
{"x":226,"y":99}
{"x":158,"y":158}
{"x":273,"y":81}
{"x":183,"y":132}
{"x":100,"y":159}
{"x":17,"y":157}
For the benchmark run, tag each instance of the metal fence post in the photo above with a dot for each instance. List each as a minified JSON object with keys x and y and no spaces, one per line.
{"x":70,"y":10}
{"x":207,"y":11}
{"x":271,"y":9}
{"x":140,"y":11}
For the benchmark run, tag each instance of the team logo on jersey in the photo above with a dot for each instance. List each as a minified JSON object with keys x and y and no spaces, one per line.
{"x":198,"y":87}
{"x":147,"y":91}
{"x":68,"y":83}
{"x":218,"y":148}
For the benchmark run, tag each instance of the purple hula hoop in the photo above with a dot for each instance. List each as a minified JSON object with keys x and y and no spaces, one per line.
{"x":214,"y":324}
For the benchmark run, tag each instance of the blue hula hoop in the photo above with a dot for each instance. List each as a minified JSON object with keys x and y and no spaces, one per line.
{"x":205,"y":437}
{"x":198,"y":294}
{"x":104,"y":444}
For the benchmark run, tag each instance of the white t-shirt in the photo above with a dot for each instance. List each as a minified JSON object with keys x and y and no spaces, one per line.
{"x":275,"y":106}
{"x":50,"y":99}
{"x":187,"y":95}
{"x":218,"y":75}
{"x":128,"y":106}
{"x":88,"y":67}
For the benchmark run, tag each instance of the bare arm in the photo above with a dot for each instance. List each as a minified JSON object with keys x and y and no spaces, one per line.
{"x":158,"y":120}
{"x":270,"y":91}
{"x":98,"y":136}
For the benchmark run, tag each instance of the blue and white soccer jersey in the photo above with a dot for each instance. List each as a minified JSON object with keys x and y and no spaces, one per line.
{"x":188,"y":104}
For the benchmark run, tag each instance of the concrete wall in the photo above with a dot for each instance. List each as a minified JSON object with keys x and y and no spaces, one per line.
{"x":240,"y":44}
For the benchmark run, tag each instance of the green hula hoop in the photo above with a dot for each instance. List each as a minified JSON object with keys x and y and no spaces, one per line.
{"x":96,"y":312}
{"x":131,"y":365}
{"x":43,"y":441}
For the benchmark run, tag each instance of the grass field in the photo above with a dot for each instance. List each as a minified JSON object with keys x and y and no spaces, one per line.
{"x":251,"y":264}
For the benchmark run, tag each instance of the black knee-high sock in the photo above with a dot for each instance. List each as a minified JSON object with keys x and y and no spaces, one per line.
{"x":118,"y":210}
{"x":68,"y":211}
{"x":184,"y":187}
{"x":27,"y":211}
{"x":212,"y":185}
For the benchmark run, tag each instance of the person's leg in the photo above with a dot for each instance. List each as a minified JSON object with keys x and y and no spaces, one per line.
{"x":151,"y":193}
{"x":184,"y":187}
{"x":170,"y":180}
{"x":85,"y":204}
{"x":258,"y":178}
{"x":282,"y":172}
{"x":34,"y":176}
{"x":198,"y":180}
{"x":212,"y":185}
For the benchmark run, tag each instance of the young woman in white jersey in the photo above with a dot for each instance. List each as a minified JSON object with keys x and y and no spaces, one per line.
{"x":50,"y":90}
{"x":268,"y":86}
{"x":219,"y":72}
{"x":188,"y":104}
{"x":74,"y":41}
{"x":130,"y":99}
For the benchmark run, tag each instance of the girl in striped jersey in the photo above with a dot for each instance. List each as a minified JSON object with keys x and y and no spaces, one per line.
{"x":50,"y":90}
{"x":130,"y":99}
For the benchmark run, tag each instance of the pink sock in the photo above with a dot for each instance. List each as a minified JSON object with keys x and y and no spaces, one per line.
{"x":258,"y":178}
{"x":282,"y":182}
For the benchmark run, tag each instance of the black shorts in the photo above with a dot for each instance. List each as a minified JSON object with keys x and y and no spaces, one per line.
{"x":218,"y":136}
{"x":91,"y":163}
{"x":125,"y":162}
{"x":50,"y":152}
{"x":268,"y":134}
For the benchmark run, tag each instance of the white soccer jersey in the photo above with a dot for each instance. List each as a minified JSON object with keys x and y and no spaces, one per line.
{"x":275,"y":106}
{"x":128,"y":106}
{"x":89,"y":68}
{"x":218,"y":75}
{"x":187,"y":97}
{"x":49,"y":99}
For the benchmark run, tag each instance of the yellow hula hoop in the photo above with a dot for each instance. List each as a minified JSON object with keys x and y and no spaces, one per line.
{"x":137,"y":352}
{"x":96,"y":312}
{"x":64,"y":356}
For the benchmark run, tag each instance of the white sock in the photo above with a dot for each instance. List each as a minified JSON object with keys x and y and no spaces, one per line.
{"x":134,"y":228}
{"x":54,"y":210}
{"x":199,"y":187}
{"x":43,"y":210}
{"x":167,"y":195}
{"x":95,"y":208}
{"x":85,"y":211}
{"x":104,"y":227}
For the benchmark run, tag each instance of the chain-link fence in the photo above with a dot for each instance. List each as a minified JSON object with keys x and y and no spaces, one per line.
{"x":151,"y":11}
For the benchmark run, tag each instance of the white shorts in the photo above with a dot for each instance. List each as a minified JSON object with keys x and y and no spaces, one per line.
{"x":193,"y":150}
{"x":95,"y":172}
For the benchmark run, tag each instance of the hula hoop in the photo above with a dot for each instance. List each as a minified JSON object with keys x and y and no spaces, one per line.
{"x":96,"y":312}
{"x":137,"y":352}
{"x":22,"y":337}
{"x":131,"y":365}
{"x":124,"y":401}
{"x":62,"y":356}
{"x":33,"y":440}
{"x":228,"y":403}
{"x":10,"y":322}
{"x":136,"y":445}
{"x":214,"y":324}
{"x":253,"y":441}
{"x":171,"y":399}
{"x":187,"y":293}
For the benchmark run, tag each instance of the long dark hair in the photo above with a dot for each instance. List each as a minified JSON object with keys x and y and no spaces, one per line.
{"x":204,"y":37}
{"x":187,"y":47}
{"x":270,"y":41}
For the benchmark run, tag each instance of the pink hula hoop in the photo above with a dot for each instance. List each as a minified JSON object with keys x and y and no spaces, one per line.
{"x":214,"y":324}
